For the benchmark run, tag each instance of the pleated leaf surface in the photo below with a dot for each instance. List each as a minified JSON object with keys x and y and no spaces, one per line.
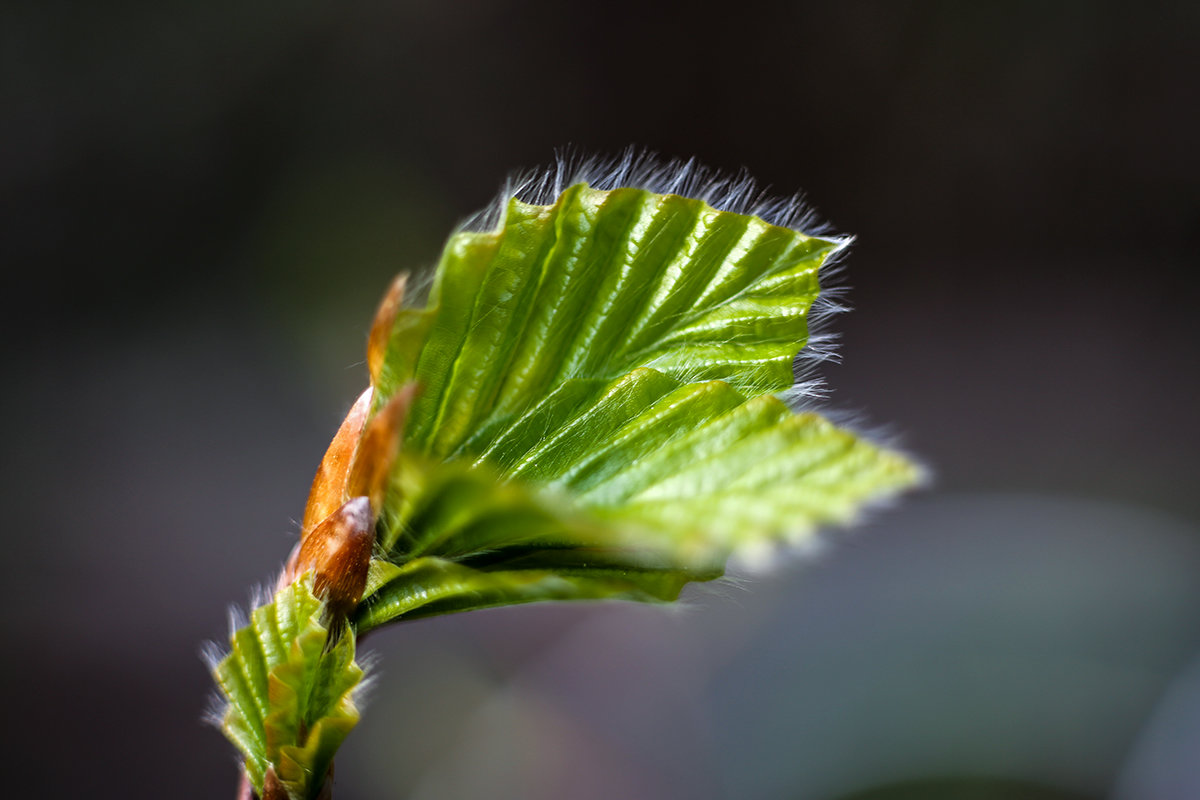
{"x":599,"y":410}
{"x":289,"y":705}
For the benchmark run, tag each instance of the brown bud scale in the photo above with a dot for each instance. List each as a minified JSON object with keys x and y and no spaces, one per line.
{"x":338,"y":551}
{"x":329,"y":484}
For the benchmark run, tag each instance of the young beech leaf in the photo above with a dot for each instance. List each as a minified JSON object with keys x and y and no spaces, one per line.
{"x":599,"y":410}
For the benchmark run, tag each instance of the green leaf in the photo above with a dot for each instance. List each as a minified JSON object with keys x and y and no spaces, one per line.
{"x":593,"y":287}
{"x":599,"y":411}
{"x":290,"y":704}
{"x":429,"y":586}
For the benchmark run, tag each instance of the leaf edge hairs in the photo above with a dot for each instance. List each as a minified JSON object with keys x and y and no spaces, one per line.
{"x":465,"y":477}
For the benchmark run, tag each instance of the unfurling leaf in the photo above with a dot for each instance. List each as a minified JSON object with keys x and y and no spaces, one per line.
{"x":602,"y":399}
{"x":289,"y":704}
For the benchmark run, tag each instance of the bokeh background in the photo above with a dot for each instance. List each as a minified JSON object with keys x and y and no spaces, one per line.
{"x":201,"y":202}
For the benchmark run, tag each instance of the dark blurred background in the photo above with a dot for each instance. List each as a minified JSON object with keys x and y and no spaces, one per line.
{"x":201,"y":203}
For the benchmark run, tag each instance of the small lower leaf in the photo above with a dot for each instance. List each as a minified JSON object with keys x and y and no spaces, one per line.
{"x":290,"y":704}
